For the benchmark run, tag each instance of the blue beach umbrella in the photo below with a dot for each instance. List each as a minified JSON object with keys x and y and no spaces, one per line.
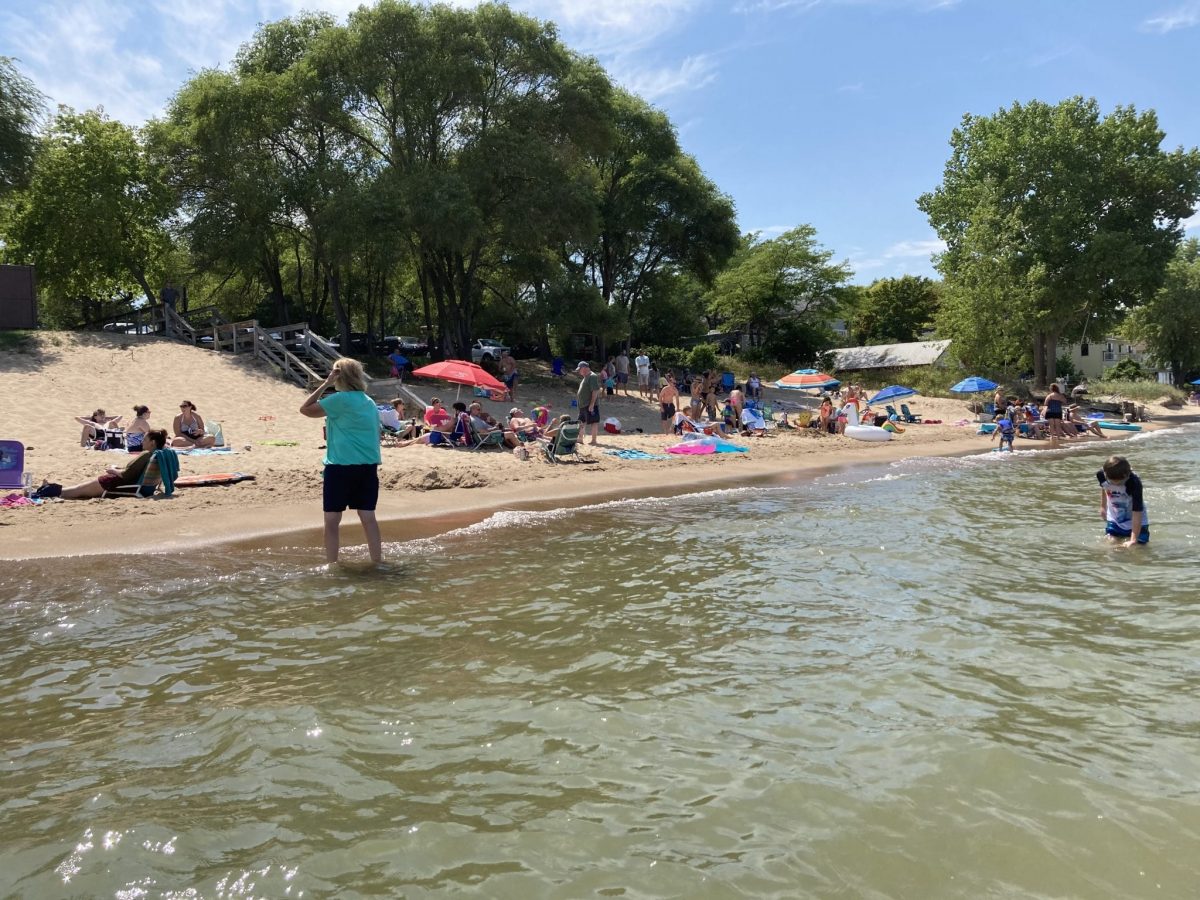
{"x":894,"y":392}
{"x":974,"y":385}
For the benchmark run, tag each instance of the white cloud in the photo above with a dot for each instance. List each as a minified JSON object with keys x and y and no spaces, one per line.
{"x":914,"y":249}
{"x":1186,"y":15}
{"x":898,"y":257}
{"x":1192,"y":223}
{"x":692,"y":74}
{"x":773,"y":230}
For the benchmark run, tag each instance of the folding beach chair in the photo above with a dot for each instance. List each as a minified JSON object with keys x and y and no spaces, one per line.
{"x":159,"y":475}
{"x":478,"y":440}
{"x":892,"y":414}
{"x":727,"y":382}
{"x":564,"y":443}
{"x":12,"y":465}
{"x":907,"y":413}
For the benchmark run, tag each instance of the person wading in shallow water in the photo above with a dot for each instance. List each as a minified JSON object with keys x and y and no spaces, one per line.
{"x":352,"y":455}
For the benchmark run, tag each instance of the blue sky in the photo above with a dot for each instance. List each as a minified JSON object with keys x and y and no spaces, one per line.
{"x":830,"y":112}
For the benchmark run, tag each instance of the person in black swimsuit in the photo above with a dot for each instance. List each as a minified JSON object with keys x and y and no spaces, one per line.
{"x":189,"y":428}
{"x":1054,"y":412}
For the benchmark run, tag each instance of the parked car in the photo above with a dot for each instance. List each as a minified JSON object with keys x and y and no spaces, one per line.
{"x":412,"y":346}
{"x":127,"y":328}
{"x":487,"y":350}
{"x":359,"y":341}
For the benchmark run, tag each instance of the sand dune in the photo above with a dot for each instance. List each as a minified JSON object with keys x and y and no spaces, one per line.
{"x":63,"y":375}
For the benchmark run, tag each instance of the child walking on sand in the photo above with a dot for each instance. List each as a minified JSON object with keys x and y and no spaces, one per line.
{"x":1121,"y":503}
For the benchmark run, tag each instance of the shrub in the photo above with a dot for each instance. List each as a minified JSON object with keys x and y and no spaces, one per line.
{"x":1126,"y":370}
{"x":666,"y":357}
{"x":1142,"y":391}
{"x":702,"y":357}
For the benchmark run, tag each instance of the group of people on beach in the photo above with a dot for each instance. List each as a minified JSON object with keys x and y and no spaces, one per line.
{"x":102,"y":431}
{"x":1059,"y":418}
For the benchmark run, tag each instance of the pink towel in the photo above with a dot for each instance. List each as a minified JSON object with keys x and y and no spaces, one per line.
{"x":692,"y":449}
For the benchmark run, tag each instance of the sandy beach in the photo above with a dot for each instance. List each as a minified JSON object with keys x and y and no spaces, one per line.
{"x":63,"y":375}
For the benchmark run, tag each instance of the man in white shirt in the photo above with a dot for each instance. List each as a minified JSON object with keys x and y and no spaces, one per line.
{"x":642,"y":363}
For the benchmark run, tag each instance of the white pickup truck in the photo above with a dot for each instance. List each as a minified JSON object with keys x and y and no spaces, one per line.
{"x":486,"y":349}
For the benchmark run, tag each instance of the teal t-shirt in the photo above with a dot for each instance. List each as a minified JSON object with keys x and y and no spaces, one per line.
{"x":352,"y":432}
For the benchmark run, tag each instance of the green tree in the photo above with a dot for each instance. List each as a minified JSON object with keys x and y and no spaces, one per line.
{"x":20,"y":109}
{"x":894,"y":310}
{"x":1054,"y":216}
{"x":657,"y":211}
{"x":788,"y":285}
{"x":474,"y":122}
{"x":93,"y":217}
{"x":1169,"y":323}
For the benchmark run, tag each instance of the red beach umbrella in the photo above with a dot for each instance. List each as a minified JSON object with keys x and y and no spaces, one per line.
{"x":458,"y":372}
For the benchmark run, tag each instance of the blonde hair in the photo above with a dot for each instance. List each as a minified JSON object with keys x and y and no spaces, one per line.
{"x":348,"y":375}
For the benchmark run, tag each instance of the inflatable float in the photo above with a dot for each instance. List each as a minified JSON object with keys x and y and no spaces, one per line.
{"x":1110,"y":425}
{"x":868,"y":433}
{"x":695,"y":444}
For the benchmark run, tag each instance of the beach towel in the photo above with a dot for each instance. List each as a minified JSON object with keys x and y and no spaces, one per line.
{"x":635,"y":454}
{"x":14,"y":500}
{"x":692,"y":449}
{"x":205,"y":451}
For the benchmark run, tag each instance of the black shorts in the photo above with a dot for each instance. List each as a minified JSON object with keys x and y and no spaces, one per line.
{"x":1054,"y":415}
{"x":590,"y":416}
{"x":354,"y":486}
{"x":668,"y":411}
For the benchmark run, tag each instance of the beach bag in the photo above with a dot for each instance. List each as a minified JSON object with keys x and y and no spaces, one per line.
{"x":217,"y":433}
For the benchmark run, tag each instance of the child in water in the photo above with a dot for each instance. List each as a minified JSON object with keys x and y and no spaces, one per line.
{"x":1005,"y":431}
{"x":1121,"y":503}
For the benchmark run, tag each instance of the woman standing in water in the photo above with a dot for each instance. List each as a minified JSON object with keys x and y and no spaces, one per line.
{"x":352,"y":455}
{"x":1053,"y":412}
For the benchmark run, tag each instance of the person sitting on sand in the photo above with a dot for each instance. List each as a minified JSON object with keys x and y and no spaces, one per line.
{"x":436,"y":415}
{"x":826,"y":418}
{"x":1083,"y":426}
{"x":94,"y":425}
{"x":450,"y":430}
{"x":189,"y":428}
{"x":136,"y":433}
{"x":555,"y":427}
{"x":521,"y":427}
{"x":395,"y":426}
{"x":484,"y":423}
{"x":113,"y":477}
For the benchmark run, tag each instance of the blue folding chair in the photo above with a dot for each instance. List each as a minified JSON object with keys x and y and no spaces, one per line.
{"x":727,"y":382}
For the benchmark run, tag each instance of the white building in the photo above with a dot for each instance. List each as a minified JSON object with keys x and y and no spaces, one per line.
{"x":1094,"y":357}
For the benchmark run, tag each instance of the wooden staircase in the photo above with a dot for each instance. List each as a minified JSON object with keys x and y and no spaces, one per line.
{"x":295,"y":352}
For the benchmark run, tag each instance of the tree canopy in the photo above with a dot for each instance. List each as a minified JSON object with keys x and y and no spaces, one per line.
{"x":1054,"y":216}
{"x":1169,"y":322}
{"x":20,"y":108}
{"x":783,"y":291}
{"x":93,"y":217}
{"x":894,"y":310}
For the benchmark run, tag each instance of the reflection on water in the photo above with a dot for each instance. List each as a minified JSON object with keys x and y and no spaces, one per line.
{"x":930,"y":679}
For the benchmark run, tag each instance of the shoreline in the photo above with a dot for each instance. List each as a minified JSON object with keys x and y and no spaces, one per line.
{"x":435,"y":512}
{"x":423,"y":490}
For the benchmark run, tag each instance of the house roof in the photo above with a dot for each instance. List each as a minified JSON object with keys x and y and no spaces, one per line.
{"x":889,"y":356}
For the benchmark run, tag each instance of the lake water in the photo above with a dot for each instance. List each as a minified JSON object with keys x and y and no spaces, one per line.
{"x":928,"y":679}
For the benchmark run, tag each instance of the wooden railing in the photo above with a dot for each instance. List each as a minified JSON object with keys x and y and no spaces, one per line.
{"x":206,"y":327}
